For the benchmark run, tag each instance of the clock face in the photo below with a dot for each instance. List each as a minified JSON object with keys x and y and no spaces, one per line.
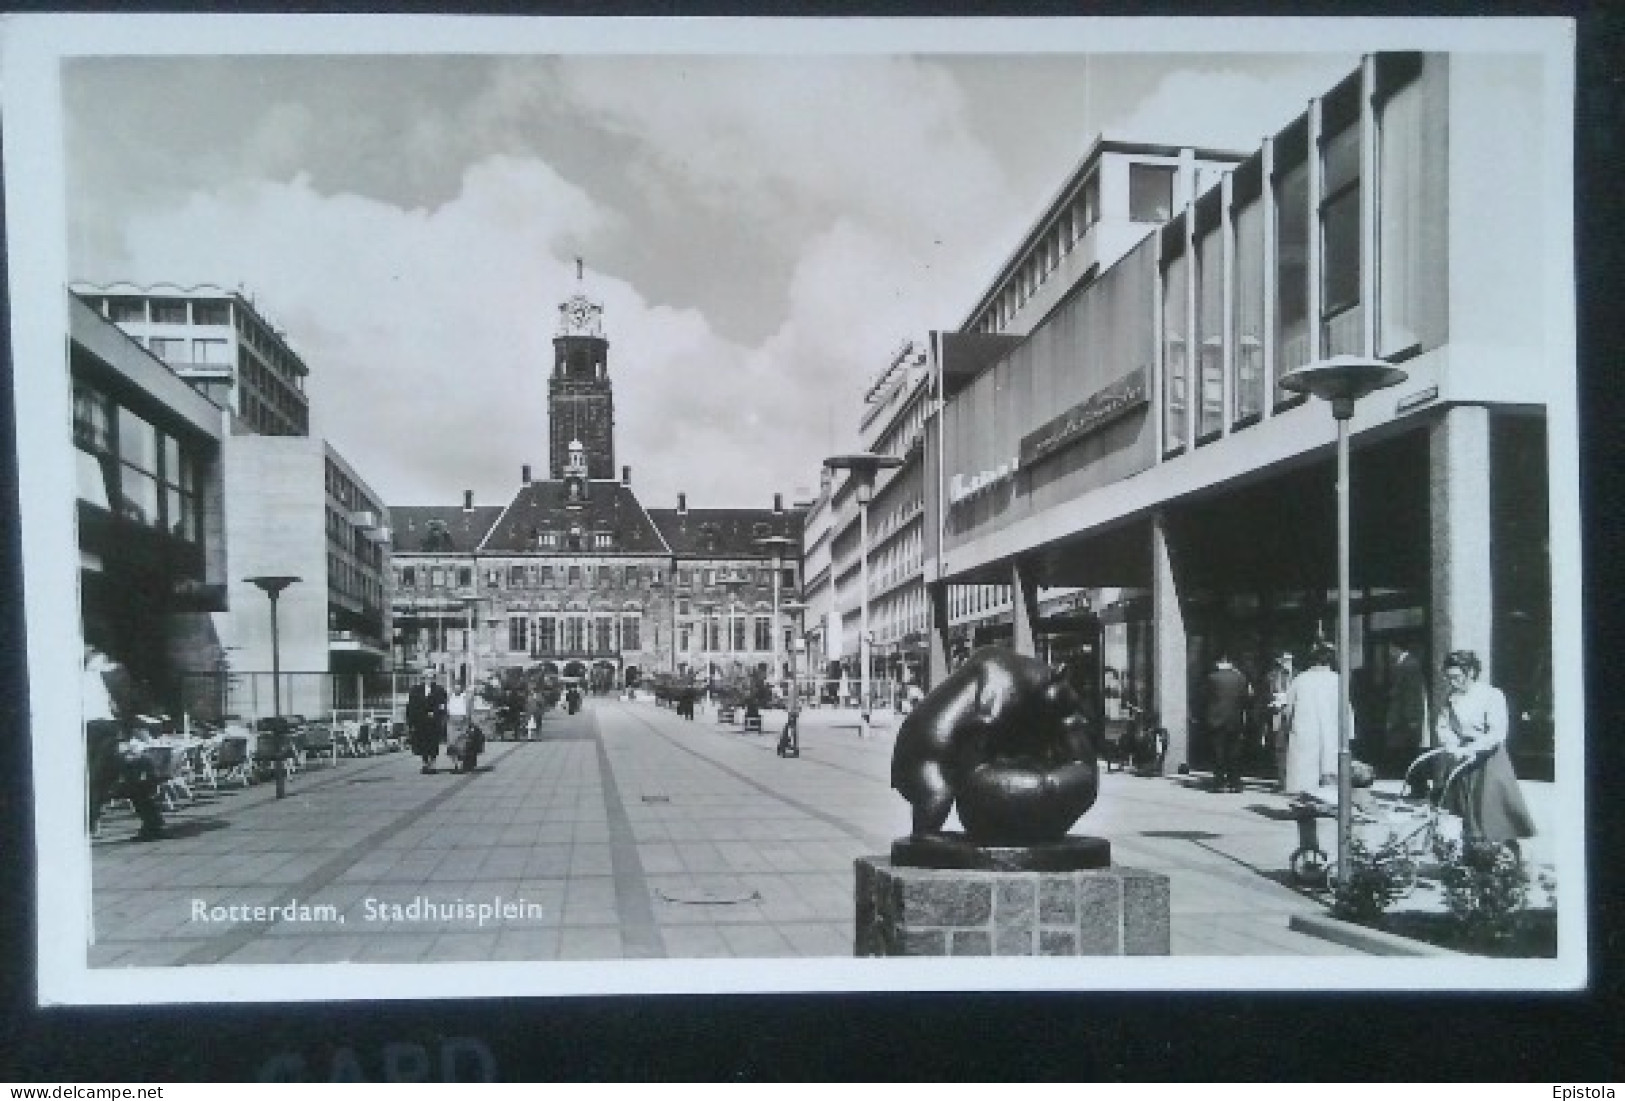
{"x":580,"y":313}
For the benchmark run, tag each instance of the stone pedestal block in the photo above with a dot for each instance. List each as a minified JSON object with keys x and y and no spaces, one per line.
{"x":906,"y":911}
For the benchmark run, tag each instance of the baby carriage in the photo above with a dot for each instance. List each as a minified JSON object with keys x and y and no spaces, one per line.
{"x":465,"y":749}
{"x":1398,"y":835}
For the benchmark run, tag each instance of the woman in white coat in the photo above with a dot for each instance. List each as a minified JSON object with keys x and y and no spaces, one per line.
{"x":1310,"y":714}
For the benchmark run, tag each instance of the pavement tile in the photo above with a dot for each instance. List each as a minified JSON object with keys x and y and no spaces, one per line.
{"x":695,"y":942}
{"x":589,"y":944}
{"x":753,"y":941}
{"x":461,"y":947}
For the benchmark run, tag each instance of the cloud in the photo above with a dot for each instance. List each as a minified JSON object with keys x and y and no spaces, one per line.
{"x":1227,"y":109}
{"x":427,"y":334}
{"x":428,"y":328}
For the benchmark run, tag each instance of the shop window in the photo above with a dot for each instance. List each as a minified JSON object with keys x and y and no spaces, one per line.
{"x":605,"y":632}
{"x":736,"y":632}
{"x":121,"y":310}
{"x":1341,"y":322}
{"x":92,"y":419}
{"x":1175,"y":362}
{"x":1413,"y":206}
{"x":1248,"y":301}
{"x":1150,"y":192}
{"x":545,"y":635}
{"x":211,"y":313}
{"x":169,"y":349}
{"x":764,"y":633}
{"x":92,"y":479}
{"x":1292,"y":271}
{"x":169,"y":311}
{"x":518,"y":633}
{"x":1210,"y":333}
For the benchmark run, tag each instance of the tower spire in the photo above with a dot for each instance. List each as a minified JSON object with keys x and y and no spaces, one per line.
{"x":578,"y":269}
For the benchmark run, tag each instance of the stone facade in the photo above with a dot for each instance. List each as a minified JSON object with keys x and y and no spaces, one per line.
{"x":905,"y":911}
{"x":573,"y":572}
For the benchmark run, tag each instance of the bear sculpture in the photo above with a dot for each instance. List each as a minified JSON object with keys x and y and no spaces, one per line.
{"x":1006,"y":738}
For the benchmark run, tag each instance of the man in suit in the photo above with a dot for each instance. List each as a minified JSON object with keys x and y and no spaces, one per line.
{"x":1407,"y":728}
{"x":1224,"y":714}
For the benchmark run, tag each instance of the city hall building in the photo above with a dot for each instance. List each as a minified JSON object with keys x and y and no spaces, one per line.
{"x":1119,"y":427}
{"x":573,"y":574}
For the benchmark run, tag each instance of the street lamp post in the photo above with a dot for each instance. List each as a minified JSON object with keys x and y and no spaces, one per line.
{"x":863,"y":466}
{"x":272,"y":585}
{"x":1343,"y":380}
{"x":776,"y":546}
{"x":791,"y":744}
{"x":707,"y":609}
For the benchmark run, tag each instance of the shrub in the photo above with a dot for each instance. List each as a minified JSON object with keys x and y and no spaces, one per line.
{"x":1484,"y":887}
{"x":1374,"y":879}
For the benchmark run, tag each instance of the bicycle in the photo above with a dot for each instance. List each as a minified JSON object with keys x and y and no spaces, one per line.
{"x":1141,"y":744}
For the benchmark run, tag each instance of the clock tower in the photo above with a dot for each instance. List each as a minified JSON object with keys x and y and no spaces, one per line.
{"x":580,"y":401}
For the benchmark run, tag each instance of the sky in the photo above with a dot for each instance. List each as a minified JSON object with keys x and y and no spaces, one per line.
{"x":762,"y":231}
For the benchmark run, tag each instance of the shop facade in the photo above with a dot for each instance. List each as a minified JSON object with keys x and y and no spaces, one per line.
{"x":1135,"y":443}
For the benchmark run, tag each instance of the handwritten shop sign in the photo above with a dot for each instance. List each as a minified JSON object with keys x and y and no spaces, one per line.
{"x":1094,"y":413}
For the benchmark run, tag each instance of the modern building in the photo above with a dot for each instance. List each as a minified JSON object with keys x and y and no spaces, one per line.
{"x":150,"y":484}
{"x":1132,"y":441}
{"x":295,"y":507}
{"x":821,"y":621}
{"x":893,"y":423}
{"x":288,"y":504}
{"x":573,"y":573}
{"x":1109,"y":205}
{"x":220,"y":343}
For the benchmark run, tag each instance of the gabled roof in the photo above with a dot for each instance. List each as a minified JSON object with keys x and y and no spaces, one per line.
{"x":544,"y":506}
{"x":726,"y":532}
{"x":431,"y":529}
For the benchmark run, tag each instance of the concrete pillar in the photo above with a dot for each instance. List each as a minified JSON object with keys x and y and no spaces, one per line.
{"x":1459,"y":522}
{"x":1172,"y":675}
{"x":1023,"y":609}
{"x":937,"y":634}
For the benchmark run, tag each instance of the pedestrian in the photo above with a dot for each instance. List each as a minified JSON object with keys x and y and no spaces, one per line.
{"x":103,"y":732}
{"x":115,"y":746}
{"x":422,"y":730}
{"x":1224,"y":714}
{"x":1472,"y":724}
{"x":790,"y":739}
{"x":1310,"y":710}
{"x":1406,"y":726}
{"x":458,"y":708}
{"x":1276,"y":682}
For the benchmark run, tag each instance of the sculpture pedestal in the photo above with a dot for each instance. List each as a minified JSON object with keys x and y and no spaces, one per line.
{"x":909,"y":911}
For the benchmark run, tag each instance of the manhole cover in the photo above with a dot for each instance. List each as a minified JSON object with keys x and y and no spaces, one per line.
{"x":657,"y":798}
{"x":709,"y":896}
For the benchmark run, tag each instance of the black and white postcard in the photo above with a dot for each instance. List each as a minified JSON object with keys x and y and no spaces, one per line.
{"x":533,"y":506}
